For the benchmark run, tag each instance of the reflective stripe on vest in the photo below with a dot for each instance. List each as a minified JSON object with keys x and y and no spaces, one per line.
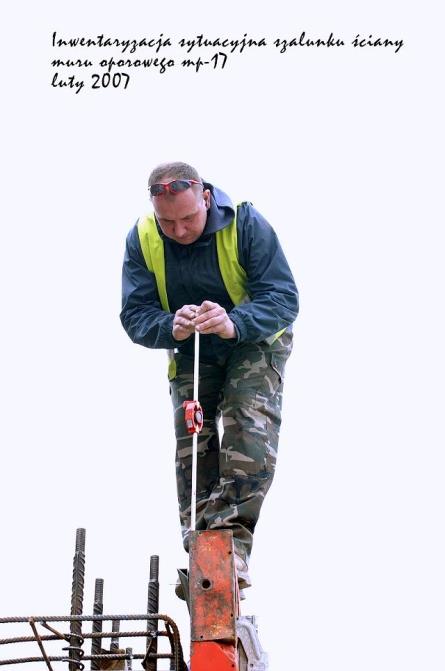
{"x":233,"y":274}
{"x":152,"y":246}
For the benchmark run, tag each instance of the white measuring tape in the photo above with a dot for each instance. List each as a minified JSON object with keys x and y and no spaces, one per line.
{"x":195,"y":436}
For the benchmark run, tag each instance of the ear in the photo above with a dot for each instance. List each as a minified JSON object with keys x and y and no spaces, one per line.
{"x":206,"y":196}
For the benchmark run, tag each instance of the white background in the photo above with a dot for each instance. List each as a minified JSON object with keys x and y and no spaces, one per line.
{"x":342,"y":150}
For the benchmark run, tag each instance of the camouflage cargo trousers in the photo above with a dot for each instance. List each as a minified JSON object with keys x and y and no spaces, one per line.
{"x":236,"y":470}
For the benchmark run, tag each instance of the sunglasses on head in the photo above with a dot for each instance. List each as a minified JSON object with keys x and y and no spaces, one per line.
{"x":175,"y":186}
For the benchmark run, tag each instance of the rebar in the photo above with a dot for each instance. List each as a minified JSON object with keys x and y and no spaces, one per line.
{"x":98,"y":609}
{"x":85,"y":635}
{"x":115,"y":628}
{"x":175,"y":656}
{"x":74,"y":638}
{"x":75,"y":648}
{"x":39,"y":641}
{"x":153,"y":607}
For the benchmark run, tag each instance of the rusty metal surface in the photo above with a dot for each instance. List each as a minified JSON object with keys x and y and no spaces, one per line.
{"x":213,"y":656}
{"x":212,"y":586}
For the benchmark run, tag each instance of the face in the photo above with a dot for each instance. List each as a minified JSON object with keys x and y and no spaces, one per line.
{"x":182,"y":216}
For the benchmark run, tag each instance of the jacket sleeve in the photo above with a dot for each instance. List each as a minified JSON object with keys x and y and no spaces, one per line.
{"x":271,"y":287}
{"x":142,"y":316}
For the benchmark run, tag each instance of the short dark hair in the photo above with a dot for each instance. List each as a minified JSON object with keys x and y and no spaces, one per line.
{"x":174,"y":170}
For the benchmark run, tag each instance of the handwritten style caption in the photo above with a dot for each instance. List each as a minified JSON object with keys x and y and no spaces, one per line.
{"x":102,"y":62}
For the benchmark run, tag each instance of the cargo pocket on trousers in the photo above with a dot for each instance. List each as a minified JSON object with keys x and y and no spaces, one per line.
{"x":278,"y":363}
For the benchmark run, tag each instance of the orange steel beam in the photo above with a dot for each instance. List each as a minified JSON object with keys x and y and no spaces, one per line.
{"x":213,"y":601}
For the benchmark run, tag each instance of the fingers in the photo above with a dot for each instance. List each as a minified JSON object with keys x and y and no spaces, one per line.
{"x":208,"y":305}
{"x":183,"y":321}
{"x":212,"y":318}
{"x":207,"y":318}
{"x":187,"y":312}
{"x":180,"y":333}
{"x":183,"y":325}
{"x":209,"y":321}
{"x":206,"y":312}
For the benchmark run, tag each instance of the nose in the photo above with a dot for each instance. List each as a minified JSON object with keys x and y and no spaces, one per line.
{"x":180,"y":230}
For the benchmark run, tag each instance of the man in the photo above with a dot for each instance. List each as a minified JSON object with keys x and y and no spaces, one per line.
{"x":201,"y":263}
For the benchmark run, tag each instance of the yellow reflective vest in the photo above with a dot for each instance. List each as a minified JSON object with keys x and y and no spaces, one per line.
{"x":233,"y":274}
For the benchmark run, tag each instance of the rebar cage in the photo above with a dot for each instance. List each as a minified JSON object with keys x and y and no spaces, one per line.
{"x":62,"y":639}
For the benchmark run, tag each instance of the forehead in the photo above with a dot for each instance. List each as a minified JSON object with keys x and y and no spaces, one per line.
{"x":168,"y":206}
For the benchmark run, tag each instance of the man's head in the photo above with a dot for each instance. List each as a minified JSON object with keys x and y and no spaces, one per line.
{"x":180,"y":207}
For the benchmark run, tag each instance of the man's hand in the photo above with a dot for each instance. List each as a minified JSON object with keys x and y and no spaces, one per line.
{"x":183,"y":325}
{"x":212,"y":318}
